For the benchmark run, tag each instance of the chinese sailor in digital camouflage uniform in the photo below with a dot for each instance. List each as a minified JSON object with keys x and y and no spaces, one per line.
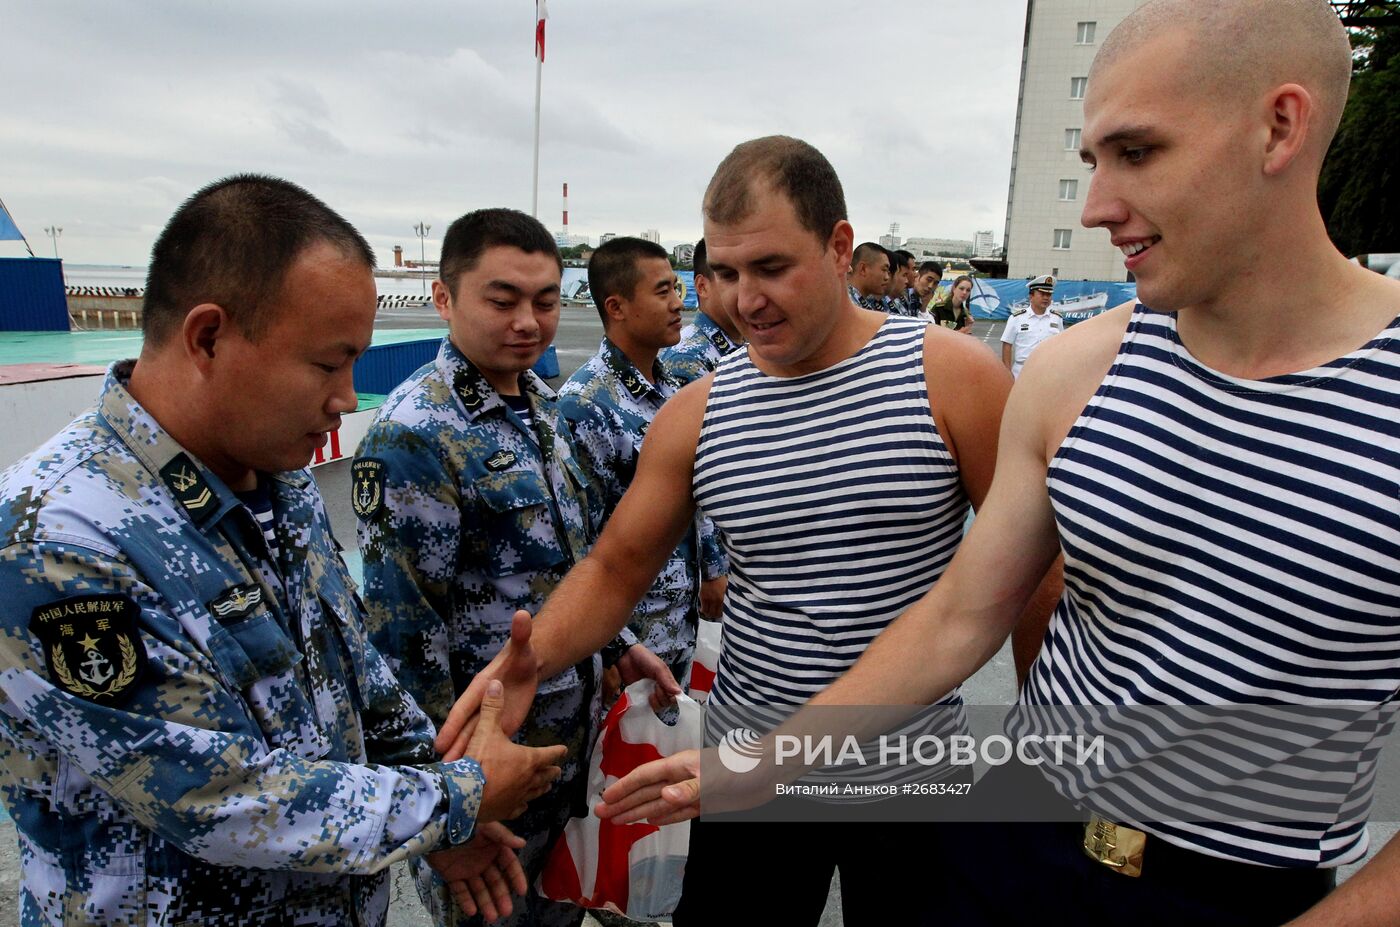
{"x":473,"y":506}
{"x":609,"y":403}
{"x":710,"y":337}
{"x":187,"y":696}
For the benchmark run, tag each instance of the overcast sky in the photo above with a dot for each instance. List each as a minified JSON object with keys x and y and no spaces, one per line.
{"x":393,"y":113}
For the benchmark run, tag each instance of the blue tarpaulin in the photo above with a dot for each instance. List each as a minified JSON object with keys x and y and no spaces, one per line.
{"x":991,"y":299}
{"x":1076,"y":300}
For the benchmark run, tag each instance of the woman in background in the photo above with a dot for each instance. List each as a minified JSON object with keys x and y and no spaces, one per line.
{"x":954,"y":312}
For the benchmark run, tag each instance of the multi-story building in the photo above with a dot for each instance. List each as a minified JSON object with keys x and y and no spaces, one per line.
{"x":983,"y":245}
{"x":1048,"y":181}
{"x":605,"y":238}
{"x":938,"y":247}
{"x":651,"y":235}
{"x":565,"y":240}
{"x":891,"y":240}
{"x":683,"y":253}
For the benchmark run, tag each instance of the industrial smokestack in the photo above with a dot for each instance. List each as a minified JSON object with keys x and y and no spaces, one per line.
{"x":566,"y":214}
{"x":398,"y":255}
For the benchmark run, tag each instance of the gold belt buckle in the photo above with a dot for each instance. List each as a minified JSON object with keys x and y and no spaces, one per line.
{"x":1115,"y":846}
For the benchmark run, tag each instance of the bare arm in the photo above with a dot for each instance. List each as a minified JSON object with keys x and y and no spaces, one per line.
{"x":1371,"y":898}
{"x":970,"y":419}
{"x":1006,"y":356}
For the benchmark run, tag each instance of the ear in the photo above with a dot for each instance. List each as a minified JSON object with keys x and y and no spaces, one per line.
{"x":205,"y":327}
{"x":442,"y":301}
{"x":701,"y":286}
{"x":1289,"y":115}
{"x":842,"y":244}
{"x":615,"y":308}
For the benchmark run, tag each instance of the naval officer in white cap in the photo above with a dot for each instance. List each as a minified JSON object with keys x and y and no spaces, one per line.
{"x":1029,"y":327}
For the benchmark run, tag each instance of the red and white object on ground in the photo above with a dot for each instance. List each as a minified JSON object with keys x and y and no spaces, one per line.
{"x":630,"y":869}
{"x":706,"y":661}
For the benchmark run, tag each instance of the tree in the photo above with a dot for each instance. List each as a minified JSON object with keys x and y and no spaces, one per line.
{"x":1360,"y":187}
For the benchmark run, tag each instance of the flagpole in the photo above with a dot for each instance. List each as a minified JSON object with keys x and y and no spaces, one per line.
{"x":535,"y":189}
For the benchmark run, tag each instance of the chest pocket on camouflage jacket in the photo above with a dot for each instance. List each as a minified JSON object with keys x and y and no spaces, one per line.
{"x":260,"y":659}
{"x":519,"y":523}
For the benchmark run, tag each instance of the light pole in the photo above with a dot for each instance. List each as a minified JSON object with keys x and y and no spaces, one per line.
{"x":55,"y":232}
{"x":422,"y":230}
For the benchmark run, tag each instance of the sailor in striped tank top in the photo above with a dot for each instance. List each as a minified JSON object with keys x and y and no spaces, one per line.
{"x":838,"y":456}
{"x":1222,"y":476}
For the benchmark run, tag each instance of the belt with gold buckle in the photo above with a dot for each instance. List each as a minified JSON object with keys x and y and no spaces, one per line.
{"x":1115,"y":846}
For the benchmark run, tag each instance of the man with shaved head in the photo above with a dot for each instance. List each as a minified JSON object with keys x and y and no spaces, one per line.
{"x":1219,"y":466}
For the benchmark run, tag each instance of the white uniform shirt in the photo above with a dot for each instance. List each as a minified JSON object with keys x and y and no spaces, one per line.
{"x":1024,"y":330}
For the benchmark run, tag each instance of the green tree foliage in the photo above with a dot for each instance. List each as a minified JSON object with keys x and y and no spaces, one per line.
{"x":1360,"y":186}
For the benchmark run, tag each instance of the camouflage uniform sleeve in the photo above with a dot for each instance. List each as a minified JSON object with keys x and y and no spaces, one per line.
{"x":714,"y":562}
{"x":179,"y":750}
{"x":397,"y":732}
{"x":409,"y":545}
{"x":598,"y":453}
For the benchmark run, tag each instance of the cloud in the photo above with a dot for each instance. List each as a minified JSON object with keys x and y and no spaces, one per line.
{"x":395,"y":115}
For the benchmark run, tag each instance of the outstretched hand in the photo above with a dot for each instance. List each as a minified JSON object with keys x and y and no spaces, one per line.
{"x":484,"y":872}
{"x":515,"y":774}
{"x":661,"y":792}
{"x":517,"y":668}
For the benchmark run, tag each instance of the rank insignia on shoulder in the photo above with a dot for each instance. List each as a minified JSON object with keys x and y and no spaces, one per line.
{"x":188,"y":484}
{"x":367,"y":487}
{"x":719,"y":341}
{"x":500,"y":460}
{"x":238,"y":602}
{"x":471,"y":398}
{"x":634,"y":385}
{"x":92,"y":646}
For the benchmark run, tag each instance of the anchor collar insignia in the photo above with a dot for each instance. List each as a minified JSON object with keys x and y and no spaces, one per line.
{"x":476,"y":395}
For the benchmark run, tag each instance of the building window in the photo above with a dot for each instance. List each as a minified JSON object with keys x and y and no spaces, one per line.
{"x":1062,"y":239}
{"x":1076,"y":87}
{"x":1072,"y":139}
{"x":1085,"y":35}
{"x":1069,"y":190}
{"x":1054,"y":271}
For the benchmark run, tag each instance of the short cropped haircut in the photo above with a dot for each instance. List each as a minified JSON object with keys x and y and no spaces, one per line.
{"x":701,"y":261}
{"x":789,"y":166}
{"x":903,"y":258}
{"x":469,"y":237}
{"x":231,"y":244}
{"x":612,"y":270}
{"x":927,"y":266}
{"x":866,"y":251}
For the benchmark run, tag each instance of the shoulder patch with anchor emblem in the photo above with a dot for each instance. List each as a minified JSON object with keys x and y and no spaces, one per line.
{"x":92,"y":646}
{"x":367,"y":487}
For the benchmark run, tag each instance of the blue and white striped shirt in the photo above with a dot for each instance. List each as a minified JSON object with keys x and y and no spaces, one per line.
{"x":1231,"y":542}
{"x":839,"y":504}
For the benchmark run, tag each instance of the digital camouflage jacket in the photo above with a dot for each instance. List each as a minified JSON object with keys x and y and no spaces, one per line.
{"x":609,"y":405}
{"x":184,"y":726}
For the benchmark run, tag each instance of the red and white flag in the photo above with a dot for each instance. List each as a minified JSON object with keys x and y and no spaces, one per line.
{"x":541,"y":14}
